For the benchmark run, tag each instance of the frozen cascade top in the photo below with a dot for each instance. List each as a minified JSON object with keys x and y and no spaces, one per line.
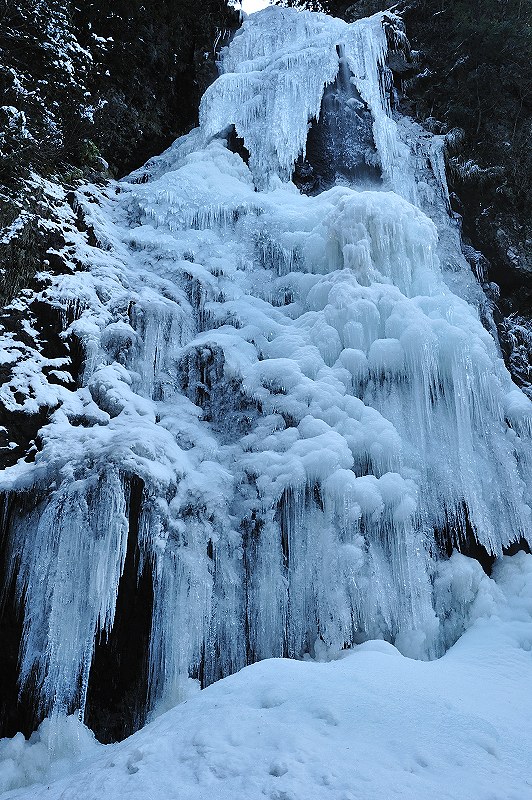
{"x":274,"y":74}
{"x":283,"y":409}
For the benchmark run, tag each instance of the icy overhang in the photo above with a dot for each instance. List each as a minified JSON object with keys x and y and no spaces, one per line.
{"x":274,"y":74}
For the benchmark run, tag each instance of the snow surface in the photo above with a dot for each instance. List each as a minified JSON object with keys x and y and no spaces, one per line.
{"x":370,"y":725}
{"x":302,"y":384}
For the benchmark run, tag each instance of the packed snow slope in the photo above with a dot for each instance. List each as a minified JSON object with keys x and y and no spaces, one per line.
{"x":301,"y":387}
{"x":372,"y":725}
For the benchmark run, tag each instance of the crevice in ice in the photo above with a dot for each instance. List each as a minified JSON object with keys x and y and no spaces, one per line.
{"x":459,"y":534}
{"x":521,"y":545}
{"x":118,"y":686}
{"x":236,"y":145}
{"x":17,"y":708}
{"x":340,"y":148}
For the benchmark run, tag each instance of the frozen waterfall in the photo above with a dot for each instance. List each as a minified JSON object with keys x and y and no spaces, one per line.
{"x":289,"y":409}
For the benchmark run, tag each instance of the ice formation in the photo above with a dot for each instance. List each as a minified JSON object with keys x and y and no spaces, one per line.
{"x":300,"y":385}
{"x":368,"y":724}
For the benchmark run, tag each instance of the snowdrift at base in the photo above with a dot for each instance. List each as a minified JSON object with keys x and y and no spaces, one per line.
{"x":372,"y":725}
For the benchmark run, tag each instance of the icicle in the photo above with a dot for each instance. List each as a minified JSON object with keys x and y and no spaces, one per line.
{"x":70,"y":558}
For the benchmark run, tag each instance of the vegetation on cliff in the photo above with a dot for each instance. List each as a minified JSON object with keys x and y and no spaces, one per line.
{"x":90,"y":90}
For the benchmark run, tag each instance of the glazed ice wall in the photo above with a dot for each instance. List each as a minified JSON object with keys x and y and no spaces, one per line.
{"x":308,"y":406}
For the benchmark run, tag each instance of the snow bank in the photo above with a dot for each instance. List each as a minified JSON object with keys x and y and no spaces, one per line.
{"x":47,"y":755}
{"x":369,"y":725}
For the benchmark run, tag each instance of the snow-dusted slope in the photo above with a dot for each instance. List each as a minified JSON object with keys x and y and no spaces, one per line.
{"x":308,"y":407}
{"x":371,"y":725}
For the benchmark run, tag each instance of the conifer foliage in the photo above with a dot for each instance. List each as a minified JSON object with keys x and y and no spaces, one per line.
{"x":88,"y":90}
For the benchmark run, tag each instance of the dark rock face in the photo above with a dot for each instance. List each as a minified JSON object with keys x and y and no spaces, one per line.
{"x":108,"y":81}
{"x":340,"y":146}
{"x":157,"y":60}
{"x":118,"y":681}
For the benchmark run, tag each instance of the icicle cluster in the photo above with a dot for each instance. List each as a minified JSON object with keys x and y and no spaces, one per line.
{"x":274,"y":76}
{"x":304,"y":399}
